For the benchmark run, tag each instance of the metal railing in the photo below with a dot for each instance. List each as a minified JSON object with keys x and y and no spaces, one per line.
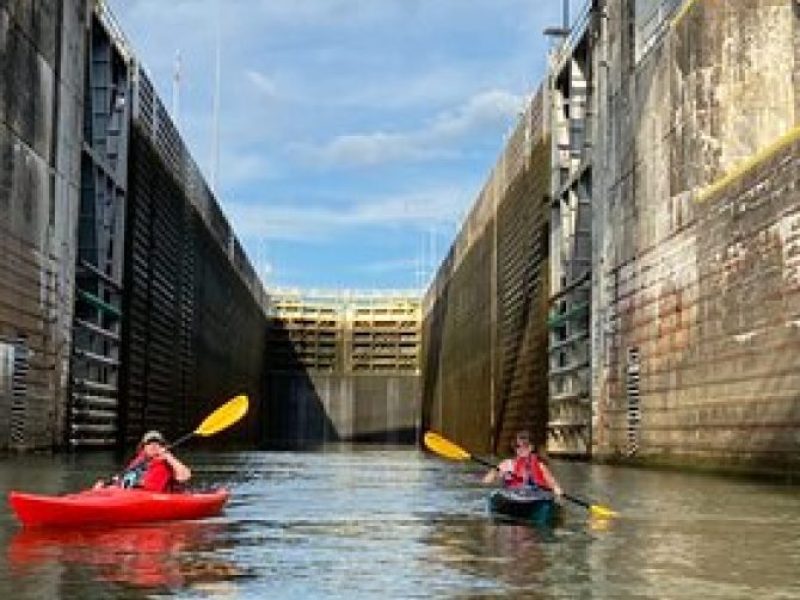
{"x":653,"y":25}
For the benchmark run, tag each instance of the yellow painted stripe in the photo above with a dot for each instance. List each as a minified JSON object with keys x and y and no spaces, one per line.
{"x":743,"y":167}
{"x":687,"y":6}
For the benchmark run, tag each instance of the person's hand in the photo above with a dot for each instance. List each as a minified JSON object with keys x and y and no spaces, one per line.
{"x":509,"y":475}
{"x":104,"y":483}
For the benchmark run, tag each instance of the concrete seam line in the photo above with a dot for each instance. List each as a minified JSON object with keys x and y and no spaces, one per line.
{"x":743,"y":167}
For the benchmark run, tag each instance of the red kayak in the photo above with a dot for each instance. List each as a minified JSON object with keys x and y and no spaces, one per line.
{"x":112,"y":506}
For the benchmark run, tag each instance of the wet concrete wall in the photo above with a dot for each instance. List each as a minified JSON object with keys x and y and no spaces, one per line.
{"x":42,"y":46}
{"x":193,"y":332}
{"x":695,"y":299}
{"x":484,"y":353}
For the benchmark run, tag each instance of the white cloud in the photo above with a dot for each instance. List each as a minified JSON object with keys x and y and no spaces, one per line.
{"x":244,"y":167}
{"x":265,"y":85}
{"x":486,"y":108}
{"x":356,"y":82}
{"x":371,"y":149}
{"x":434,"y":141}
{"x":301,"y":222}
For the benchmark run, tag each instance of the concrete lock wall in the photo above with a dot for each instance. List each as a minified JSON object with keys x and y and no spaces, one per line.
{"x":42,"y":49}
{"x":484,"y":348}
{"x":194,"y":326}
{"x":193,"y":309}
{"x":314,"y":408}
{"x":343,"y":366}
{"x":695,"y":296}
{"x":691,"y":157}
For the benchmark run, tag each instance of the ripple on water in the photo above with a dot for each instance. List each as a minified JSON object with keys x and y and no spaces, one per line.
{"x":400,"y":524}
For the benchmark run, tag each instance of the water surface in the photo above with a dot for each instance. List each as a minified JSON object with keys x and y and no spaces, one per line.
{"x":397,"y":523}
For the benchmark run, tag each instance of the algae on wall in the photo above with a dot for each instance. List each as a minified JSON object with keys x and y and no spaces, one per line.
{"x":484,"y":354}
{"x":694,"y":232}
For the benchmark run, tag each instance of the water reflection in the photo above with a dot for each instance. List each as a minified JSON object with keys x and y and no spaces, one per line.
{"x":171,"y":555}
{"x":496,"y":557}
{"x":400,"y":524}
{"x":487,"y":548}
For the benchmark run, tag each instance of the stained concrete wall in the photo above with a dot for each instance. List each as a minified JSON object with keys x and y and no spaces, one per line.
{"x":42,"y":49}
{"x":695,"y":297}
{"x":484,"y":342}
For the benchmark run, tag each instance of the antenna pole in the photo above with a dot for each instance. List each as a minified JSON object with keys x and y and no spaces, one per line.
{"x":176,"y":88}
{"x":215,"y":140}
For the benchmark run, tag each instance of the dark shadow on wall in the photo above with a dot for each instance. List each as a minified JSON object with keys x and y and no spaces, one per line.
{"x":332,"y":379}
{"x":523,"y":336}
{"x":433,"y":332}
{"x":400,"y":436}
{"x":469,"y":354}
{"x":193,"y":334}
{"x":295,"y":413}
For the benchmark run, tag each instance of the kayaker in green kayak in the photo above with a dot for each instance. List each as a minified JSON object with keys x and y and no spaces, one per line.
{"x":527,"y":469}
{"x":154,"y":468}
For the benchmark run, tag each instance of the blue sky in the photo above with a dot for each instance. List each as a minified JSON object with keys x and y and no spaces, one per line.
{"x":354,"y":134}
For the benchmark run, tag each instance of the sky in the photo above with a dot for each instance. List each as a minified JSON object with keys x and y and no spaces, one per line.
{"x":354,"y":135}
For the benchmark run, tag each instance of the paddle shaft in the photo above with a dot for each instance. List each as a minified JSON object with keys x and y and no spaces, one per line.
{"x":181,"y":439}
{"x":222,"y":418}
{"x":484,"y":462}
{"x":578,"y":501}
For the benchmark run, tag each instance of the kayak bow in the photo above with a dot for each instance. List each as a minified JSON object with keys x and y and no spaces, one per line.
{"x":533,"y":506}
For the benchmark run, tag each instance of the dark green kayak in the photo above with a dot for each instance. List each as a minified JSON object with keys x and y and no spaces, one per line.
{"x":530,"y":505}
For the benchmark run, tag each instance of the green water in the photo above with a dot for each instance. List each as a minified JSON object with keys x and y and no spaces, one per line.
{"x":396,"y":523}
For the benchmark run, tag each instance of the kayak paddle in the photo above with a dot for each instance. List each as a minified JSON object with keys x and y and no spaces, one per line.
{"x":447,"y":449}
{"x":222,"y":418}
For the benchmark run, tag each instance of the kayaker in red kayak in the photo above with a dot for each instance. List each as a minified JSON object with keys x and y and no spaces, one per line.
{"x":154,"y":468}
{"x":526,"y":469}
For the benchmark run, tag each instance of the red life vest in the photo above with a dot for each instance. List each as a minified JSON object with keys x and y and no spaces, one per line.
{"x":151,"y":474}
{"x":527,"y":471}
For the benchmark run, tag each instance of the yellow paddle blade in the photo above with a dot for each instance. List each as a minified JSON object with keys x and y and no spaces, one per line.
{"x":225,"y":416}
{"x":443,"y":447}
{"x":597,"y":510}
